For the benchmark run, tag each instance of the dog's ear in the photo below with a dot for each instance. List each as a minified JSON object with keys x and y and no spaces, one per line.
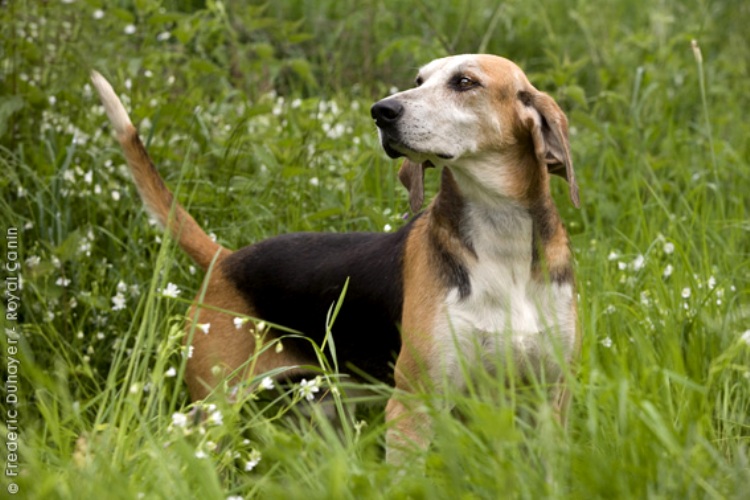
{"x":411,"y":175}
{"x":549,"y":131}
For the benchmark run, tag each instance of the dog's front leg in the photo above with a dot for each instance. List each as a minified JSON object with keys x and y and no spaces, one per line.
{"x":409,"y":424}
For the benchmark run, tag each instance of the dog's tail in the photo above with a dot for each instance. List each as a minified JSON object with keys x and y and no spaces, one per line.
{"x":156,"y":196}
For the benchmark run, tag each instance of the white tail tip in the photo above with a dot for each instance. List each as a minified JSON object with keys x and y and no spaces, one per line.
{"x":112,"y":104}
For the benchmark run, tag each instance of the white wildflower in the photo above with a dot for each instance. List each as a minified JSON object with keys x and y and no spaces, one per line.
{"x":188,"y":351}
{"x":607,"y":342}
{"x":745,"y":337}
{"x":62,"y":281}
{"x":239,"y":322}
{"x":129,"y":29}
{"x":668,"y":248}
{"x":668,"y":271}
{"x":98,"y":14}
{"x":172,"y":291}
{"x":215,"y":418}
{"x":387,"y":228}
{"x":638,"y":263}
{"x":204,"y":327}
{"x":307,"y":389}
{"x":171,"y":372}
{"x":686,"y":293}
{"x":118,"y":302}
{"x":253,"y":460}
{"x":163,"y":36}
{"x":266,"y":384}
{"x":179,"y":419}
{"x":200,"y":454}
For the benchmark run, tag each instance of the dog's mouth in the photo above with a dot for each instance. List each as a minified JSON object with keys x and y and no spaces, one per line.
{"x":391,"y":151}
{"x":395,"y":148}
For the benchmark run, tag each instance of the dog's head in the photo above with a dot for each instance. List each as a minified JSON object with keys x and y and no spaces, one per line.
{"x":479,"y":115}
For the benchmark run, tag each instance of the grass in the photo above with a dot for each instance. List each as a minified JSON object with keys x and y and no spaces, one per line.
{"x":258,"y":117}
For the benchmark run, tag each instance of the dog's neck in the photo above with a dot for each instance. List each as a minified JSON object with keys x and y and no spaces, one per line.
{"x":518,"y":208}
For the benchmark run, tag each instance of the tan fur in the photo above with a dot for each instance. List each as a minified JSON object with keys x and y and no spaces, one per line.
{"x":227,"y":350}
{"x":422,"y":292}
{"x":421,"y":300}
{"x":160,"y":202}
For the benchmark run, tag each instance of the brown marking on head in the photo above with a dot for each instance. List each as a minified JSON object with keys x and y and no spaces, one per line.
{"x":549,"y":132}
{"x":533,"y":130}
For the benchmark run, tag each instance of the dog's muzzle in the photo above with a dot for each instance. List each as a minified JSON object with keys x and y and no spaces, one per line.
{"x":387,"y":114}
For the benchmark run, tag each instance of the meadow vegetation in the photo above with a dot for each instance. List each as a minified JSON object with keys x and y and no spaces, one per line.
{"x":257,"y":115}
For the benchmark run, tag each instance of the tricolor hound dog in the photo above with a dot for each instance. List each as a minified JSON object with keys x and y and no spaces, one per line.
{"x":487,"y":264}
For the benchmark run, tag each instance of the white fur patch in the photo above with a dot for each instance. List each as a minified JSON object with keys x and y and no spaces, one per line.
{"x":436,"y":121}
{"x":112,"y":104}
{"x":507,"y":314}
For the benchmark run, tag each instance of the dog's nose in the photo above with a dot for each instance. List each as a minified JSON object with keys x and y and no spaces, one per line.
{"x":386,"y":112}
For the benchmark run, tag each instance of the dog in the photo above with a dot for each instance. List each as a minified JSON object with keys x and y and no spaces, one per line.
{"x":488,"y":263}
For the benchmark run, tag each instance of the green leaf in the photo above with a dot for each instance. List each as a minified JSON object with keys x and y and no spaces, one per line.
{"x":577,"y":94}
{"x":303,"y":69}
{"x":68,"y":250}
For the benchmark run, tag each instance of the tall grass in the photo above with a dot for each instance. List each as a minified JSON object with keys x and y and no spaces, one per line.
{"x":258,"y":116}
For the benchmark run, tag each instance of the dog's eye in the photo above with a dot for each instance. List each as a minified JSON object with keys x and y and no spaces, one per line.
{"x":462,"y":82}
{"x":419,"y":81}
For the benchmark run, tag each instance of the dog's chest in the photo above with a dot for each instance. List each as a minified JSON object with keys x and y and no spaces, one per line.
{"x":507,"y":312}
